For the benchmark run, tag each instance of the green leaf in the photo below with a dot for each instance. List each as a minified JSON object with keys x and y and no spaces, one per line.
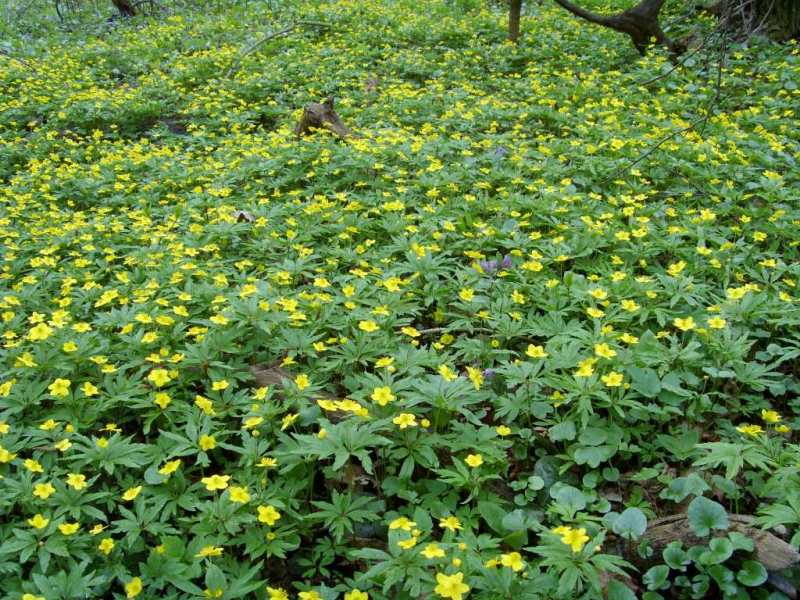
{"x":752,"y":573}
{"x":719,"y":550}
{"x":617,"y":590}
{"x":682,"y":487}
{"x":562,"y":431}
{"x":645,"y":381}
{"x":705,"y":515}
{"x":631,"y":524}
{"x":656,"y":577}
{"x":675,"y":556}
{"x":740,"y":541}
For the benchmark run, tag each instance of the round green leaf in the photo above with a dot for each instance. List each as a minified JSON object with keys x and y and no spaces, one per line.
{"x":719,"y":550}
{"x":705,"y":515}
{"x":752,"y":573}
{"x":656,"y":577}
{"x":631,"y":524}
{"x":675,"y":556}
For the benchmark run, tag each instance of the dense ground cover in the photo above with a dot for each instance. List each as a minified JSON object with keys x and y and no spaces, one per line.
{"x":480,"y":333}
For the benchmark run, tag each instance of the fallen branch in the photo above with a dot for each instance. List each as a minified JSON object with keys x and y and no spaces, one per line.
{"x":639,"y":22}
{"x":771,"y":551}
{"x":274,"y":35}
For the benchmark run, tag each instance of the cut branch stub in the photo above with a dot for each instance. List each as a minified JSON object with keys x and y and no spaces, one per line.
{"x":321,"y":116}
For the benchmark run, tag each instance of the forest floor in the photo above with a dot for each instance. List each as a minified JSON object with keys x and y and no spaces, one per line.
{"x":540,"y":298}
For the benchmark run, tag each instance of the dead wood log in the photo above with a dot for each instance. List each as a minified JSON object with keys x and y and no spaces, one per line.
{"x":321,"y":116}
{"x":771,"y":551}
{"x":639,"y":22}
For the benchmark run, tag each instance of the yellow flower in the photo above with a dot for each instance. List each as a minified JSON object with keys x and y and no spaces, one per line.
{"x":474,"y":460}
{"x":447,"y":373}
{"x":268,"y":514}
{"x":383,"y":395}
{"x":585,"y":368}
{"x":451,"y":586}
{"x":432,"y":551}
{"x":207,"y":442}
{"x":131,"y":493}
{"x":598,"y":294}
{"x":287,"y":420}
{"x":170,"y":467}
{"x":69,"y":528}
{"x":404,"y":420}
{"x":162,"y":400}
{"x":133,"y":588}
{"x":159,"y":377}
{"x":106,"y":545}
{"x":309,"y":596}
{"x":629,"y":305}
{"x":684,"y":324}
{"x":356,"y":594}
{"x":575,"y":538}
{"x":32,"y":597}
{"x":450,"y":523}
{"x":385,"y":361}
{"x":604,"y":351}
{"x":751,"y":430}
{"x":207,"y":551}
{"x":38,"y":521}
{"x":410,"y":332}
{"x":466,"y":294}
{"x":513,"y":561}
{"x":475,"y":376}
{"x":407,"y":544}
{"x":503,"y":430}
{"x":403,"y":523}
{"x":239,"y":494}
{"x":770,"y":416}
{"x":613,"y":379}
{"x":39,"y":332}
{"x":277,"y":593}
{"x":220,"y":385}
{"x":535,"y":351}
{"x":252,"y":422}
{"x":89,"y":389}
{"x":60,"y":388}
{"x":44,"y":490}
{"x":6,"y":456}
{"x":368,"y":326}
{"x":215,"y":482}
{"x":302,"y":381}
{"x":33,"y":465}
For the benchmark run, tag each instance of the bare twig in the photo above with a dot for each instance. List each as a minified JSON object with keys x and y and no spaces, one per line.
{"x":271,"y":36}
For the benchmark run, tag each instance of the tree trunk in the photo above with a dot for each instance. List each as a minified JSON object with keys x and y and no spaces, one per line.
{"x":778,"y":19}
{"x":514,"y":12}
{"x":125,"y":7}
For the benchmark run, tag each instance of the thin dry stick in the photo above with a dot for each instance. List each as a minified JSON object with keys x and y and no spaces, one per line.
{"x":275,"y":34}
